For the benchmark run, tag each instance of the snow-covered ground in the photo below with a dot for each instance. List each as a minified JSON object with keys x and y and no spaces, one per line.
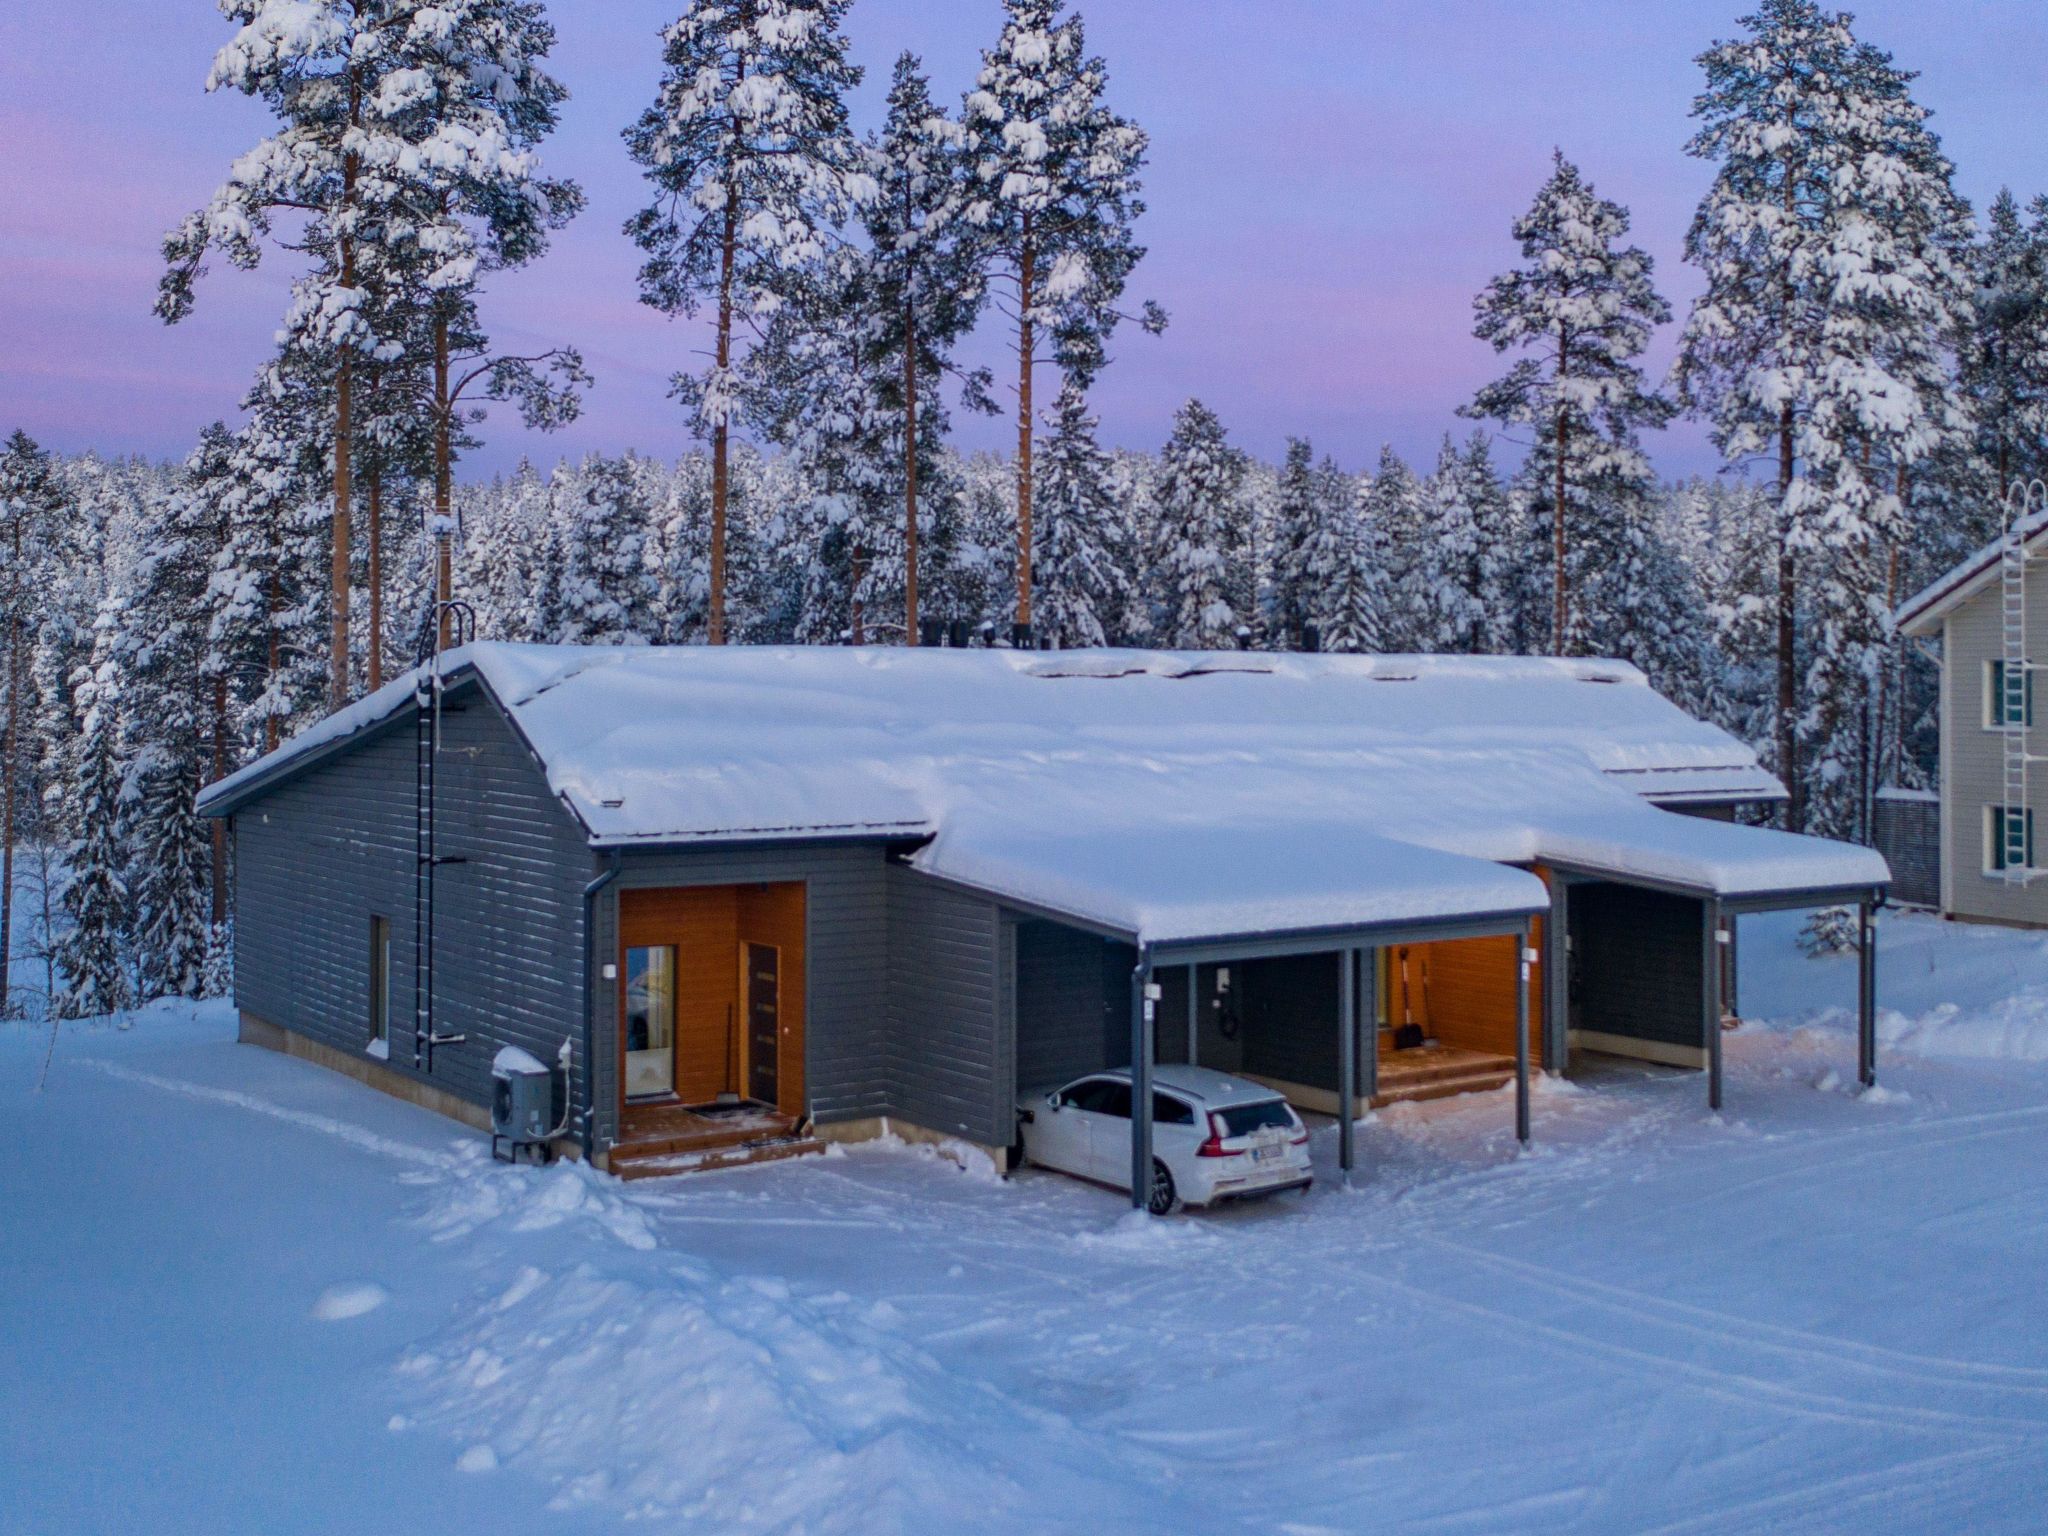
{"x":239,"y":1294}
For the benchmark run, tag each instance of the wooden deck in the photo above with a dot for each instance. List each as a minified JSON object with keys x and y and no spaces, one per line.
{"x":1408,"y":1077}
{"x":658,"y":1140}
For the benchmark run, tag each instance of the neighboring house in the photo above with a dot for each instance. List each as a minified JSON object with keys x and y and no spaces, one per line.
{"x":761,"y":896}
{"x":1989,"y":795}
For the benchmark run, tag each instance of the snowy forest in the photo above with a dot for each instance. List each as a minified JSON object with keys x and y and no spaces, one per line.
{"x":1870,"y":354}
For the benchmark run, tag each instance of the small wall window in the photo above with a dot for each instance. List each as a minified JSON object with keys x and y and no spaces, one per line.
{"x":380,"y":986}
{"x":1997,"y":831}
{"x":1999,"y":711}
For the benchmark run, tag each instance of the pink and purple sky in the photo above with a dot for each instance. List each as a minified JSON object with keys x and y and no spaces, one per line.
{"x":1331,"y":181}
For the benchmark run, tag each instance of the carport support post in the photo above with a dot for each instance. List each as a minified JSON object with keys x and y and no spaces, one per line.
{"x":1194,"y":1020}
{"x":1141,"y":1081}
{"x":1710,"y":1000}
{"x":1866,"y":996}
{"x":1347,"y":1057}
{"x":1522,"y":977}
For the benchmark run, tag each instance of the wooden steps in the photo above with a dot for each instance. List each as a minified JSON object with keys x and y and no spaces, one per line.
{"x":634,"y":1162}
{"x":664,"y":1139}
{"x":1412,"y":1077}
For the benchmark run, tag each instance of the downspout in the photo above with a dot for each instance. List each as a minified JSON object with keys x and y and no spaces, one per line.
{"x":591,"y":892}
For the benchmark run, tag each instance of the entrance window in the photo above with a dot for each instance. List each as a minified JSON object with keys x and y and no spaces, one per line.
{"x":650,"y":1021}
{"x":380,"y":986}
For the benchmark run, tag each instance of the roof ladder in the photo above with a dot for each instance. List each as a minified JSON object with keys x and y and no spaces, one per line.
{"x":444,"y":621}
{"x":2015,"y":682}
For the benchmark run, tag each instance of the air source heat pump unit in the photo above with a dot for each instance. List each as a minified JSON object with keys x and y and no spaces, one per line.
{"x":525,"y":1113}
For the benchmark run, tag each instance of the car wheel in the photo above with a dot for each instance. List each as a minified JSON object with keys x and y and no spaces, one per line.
{"x":1017,"y":1152}
{"x":1164,"y":1199}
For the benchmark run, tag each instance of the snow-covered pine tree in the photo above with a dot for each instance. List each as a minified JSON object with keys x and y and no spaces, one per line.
{"x":1080,"y":565}
{"x":1193,"y":562}
{"x":32,"y":501}
{"x":600,"y":534}
{"x":1291,"y":588}
{"x":159,"y":646}
{"x":1831,"y":242}
{"x":1585,"y":306}
{"x":2003,"y":359}
{"x":1054,"y":200}
{"x":1450,"y":570}
{"x":1344,"y":566}
{"x":317,"y":65}
{"x":753,"y":165}
{"x":95,"y":899}
{"x":928,"y":289}
{"x":1394,"y":507}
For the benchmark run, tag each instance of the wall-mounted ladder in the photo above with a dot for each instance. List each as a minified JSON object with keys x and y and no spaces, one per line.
{"x":445,"y":623}
{"x":2023,"y":510}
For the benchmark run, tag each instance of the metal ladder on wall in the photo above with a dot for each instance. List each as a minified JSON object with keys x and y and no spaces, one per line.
{"x":2015,"y":683}
{"x":456,"y":621}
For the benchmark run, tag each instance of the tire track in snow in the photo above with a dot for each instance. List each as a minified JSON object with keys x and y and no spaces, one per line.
{"x":1837,"y":1493}
{"x":325,"y":1125}
{"x":1731,"y":1386}
{"x":1898,"y":1365}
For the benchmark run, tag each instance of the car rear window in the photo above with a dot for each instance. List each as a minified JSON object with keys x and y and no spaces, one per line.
{"x":1243,"y":1119}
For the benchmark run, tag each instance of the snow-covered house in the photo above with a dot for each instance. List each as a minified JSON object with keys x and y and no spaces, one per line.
{"x":766,"y":896}
{"x":1990,"y":740}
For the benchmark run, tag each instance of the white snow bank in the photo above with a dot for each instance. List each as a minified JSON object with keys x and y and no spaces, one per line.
{"x":1952,"y":990}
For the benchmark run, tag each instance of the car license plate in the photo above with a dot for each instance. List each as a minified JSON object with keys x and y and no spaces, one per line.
{"x":1268,"y":1154}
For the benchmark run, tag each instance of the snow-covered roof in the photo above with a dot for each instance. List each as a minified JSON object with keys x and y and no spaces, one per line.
{"x":1168,"y":795}
{"x":1922,"y":614}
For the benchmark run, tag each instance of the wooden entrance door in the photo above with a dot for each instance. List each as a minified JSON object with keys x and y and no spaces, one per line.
{"x":764,"y":1022}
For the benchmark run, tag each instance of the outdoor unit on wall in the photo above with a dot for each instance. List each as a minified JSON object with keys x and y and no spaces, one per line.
{"x":527,"y":1104}
{"x":2024,"y":510}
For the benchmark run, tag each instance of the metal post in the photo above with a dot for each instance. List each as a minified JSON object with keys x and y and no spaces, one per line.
{"x":1347,"y":1057}
{"x":1524,"y":954}
{"x":1142,"y":1005}
{"x":1369,"y":1025}
{"x":1710,"y":998}
{"x":1194,"y":1020}
{"x":1557,"y":979}
{"x":1866,"y":996}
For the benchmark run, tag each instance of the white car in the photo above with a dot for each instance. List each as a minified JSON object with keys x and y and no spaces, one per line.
{"x":1214,"y":1137}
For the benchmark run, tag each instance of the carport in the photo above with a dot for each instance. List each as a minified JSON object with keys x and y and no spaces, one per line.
{"x":1641,"y":967}
{"x":1208,"y":896}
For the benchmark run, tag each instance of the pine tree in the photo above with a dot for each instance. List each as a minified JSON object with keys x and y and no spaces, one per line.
{"x":1394,"y":508}
{"x":1831,"y":244}
{"x":1079,"y":564}
{"x":1587,"y":307}
{"x":318,"y":66}
{"x":928,"y":289}
{"x":1298,"y":516}
{"x":1193,"y":560}
{"x":32,"y":501}
{"x":1344,"y":566}
{"x":1450,"y":569}
{"x":2003,"y":360}
{"x":752,"y":163}
{"x":95,"y":900}
{"x":600,"y":534}
{"x":1054,"y":200}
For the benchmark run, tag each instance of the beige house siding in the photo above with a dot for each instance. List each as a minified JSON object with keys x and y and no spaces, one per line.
{"x":1973,"y":763}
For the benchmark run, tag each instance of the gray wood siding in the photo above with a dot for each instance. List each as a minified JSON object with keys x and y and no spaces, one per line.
{"x":1972,"y":756}
{"x":1636,"y":963}
{"x":952,"y":1054}
{"x":324,"y":852}
{"x":1074,"y":1004}
{"x":846,"y":947}
{"x":1289,"y":1007}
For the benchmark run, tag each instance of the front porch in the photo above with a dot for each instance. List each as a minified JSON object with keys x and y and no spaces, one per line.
{"x":657,"y":1140}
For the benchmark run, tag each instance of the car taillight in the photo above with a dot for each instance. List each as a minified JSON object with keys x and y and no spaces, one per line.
{"x":1214,"y":1147}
